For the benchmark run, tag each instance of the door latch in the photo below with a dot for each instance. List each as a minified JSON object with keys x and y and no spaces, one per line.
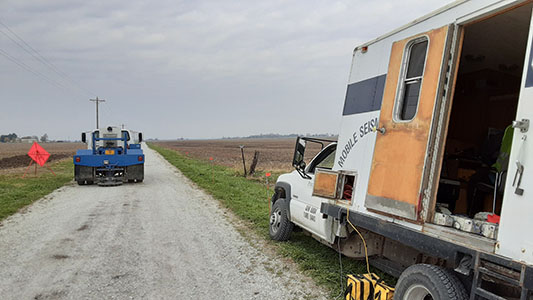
{"x":381,"y":130}
{"x":523,"y":125}
{"x":518,"y":179}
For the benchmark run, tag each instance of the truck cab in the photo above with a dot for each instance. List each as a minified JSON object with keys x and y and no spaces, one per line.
{"x":304,"y":203}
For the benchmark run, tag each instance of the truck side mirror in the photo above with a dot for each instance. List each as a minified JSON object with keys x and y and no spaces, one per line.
{"x":83,"y":137}
{"x":140,"y":137}
{"x":299,"y":151}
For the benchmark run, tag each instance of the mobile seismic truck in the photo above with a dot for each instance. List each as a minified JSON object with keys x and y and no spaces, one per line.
{"x":432,"y":165}
{"x":114,"y":156}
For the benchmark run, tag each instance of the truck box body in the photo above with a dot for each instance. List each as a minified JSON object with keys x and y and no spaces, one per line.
{"x":367,"y":99}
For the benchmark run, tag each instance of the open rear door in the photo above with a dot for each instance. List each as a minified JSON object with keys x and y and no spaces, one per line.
{"x":514,"y":238}
{"x":414,"y":83}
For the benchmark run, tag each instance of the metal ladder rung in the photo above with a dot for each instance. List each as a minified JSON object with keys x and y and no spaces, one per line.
{"x":487,"y":295}
{"x":498,"y":276}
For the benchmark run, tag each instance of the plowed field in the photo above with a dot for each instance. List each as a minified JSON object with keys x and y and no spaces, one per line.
{"x":14,"y":155}
{"x":275,"y":155}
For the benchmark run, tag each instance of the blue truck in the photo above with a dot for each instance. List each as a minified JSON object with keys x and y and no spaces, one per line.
{"x":113,"y":156}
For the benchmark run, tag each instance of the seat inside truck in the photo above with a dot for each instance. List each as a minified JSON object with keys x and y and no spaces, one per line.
{"x":484,"y":104}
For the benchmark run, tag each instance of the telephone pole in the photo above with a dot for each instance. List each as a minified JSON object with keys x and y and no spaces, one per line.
{"x":97,"y":101}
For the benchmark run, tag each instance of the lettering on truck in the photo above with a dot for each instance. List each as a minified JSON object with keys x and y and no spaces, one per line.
{"x":364,"y":129}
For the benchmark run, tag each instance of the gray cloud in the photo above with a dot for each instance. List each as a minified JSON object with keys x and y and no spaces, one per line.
{"x":189,"y":68}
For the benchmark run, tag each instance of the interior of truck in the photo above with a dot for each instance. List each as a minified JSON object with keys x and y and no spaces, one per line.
{"x":484,"y":104}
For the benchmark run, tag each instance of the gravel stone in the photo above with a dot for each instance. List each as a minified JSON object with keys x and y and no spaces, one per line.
{"x":159,"y":239}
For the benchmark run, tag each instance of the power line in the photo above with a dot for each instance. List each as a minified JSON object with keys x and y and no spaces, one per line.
{"x":29,"y":69}
{"x":36,"y":55}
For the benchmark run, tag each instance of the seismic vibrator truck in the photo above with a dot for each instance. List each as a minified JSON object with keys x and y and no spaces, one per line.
{"x":114,"y":156}
{"x":433,"y":165}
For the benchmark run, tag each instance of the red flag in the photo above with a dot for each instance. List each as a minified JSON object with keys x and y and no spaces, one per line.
{"x":38,"y":154}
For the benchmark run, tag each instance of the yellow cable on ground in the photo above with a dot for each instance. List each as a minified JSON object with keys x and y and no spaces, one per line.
{"x":362,"y":238}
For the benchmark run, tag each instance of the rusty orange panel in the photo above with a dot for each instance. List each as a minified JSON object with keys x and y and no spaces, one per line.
{"x":399,"y":154}
{"x":325,"y":184}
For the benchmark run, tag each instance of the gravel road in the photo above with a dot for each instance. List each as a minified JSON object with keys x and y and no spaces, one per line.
{"x":160,"y":239}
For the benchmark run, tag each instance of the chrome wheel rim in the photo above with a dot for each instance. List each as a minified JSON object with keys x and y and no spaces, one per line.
{"x":275,"y":220}
{"x":417,"y":292}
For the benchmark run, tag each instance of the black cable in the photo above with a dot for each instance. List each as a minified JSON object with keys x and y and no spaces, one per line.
{"x":341,"y":272}
{"x":340,"y":263}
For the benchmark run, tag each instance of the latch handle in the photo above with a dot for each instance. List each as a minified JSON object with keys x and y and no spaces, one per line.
{"x":518,"y":175}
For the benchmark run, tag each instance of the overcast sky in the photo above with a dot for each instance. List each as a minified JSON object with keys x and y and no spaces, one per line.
{"x":193,"y":69}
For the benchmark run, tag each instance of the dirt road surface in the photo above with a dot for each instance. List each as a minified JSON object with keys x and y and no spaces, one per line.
{"x":160,"y":239}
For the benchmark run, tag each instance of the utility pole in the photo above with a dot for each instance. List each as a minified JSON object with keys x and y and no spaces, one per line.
{"x":97,"y":101}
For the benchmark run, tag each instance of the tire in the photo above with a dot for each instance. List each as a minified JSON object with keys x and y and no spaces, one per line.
{"x":81,"y":182}
{"x":280,"y":227}
{"x":422,"y":281}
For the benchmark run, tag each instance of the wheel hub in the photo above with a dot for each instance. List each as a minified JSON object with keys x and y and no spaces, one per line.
{"x":417,"y":292}
{"x":275,"y":220}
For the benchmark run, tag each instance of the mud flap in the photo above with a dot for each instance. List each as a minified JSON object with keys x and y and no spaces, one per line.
{"x":83,"y":173}
{"x":135,"y":172}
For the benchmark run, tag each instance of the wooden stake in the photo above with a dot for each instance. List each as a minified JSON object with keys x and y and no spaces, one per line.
{"x":243,"y":161}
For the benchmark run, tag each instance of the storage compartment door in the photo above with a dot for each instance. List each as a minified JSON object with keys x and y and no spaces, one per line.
{"x":396,"y":178}
{"x":326,"y":184}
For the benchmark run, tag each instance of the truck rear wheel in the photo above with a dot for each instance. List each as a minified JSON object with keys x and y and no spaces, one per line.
{"x":422,"y":282}
{"x":280,"y":227}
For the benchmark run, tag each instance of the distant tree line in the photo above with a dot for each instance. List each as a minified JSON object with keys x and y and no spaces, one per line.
{"x":8,"y":138}
{"x":277,"y":135}
{"x":13,"y":138}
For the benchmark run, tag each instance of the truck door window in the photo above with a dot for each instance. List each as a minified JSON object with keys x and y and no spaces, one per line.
{"x":412,"y":74}
{"x":328,"y":162}
{"x":325,"y":160}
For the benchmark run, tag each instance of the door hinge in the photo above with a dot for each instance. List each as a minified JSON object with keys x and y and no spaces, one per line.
{"x":523,"y":125}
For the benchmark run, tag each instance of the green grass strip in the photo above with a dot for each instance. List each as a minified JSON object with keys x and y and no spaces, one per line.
{"x":247,"y":199}
{"x":17,"y":192}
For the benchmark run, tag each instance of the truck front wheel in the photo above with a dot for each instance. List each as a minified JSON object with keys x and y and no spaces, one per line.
{"x":422,"y":281}
{"x":280,"y":227}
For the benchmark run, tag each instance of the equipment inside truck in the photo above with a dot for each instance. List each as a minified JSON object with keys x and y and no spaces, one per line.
{"x":479,"y":135}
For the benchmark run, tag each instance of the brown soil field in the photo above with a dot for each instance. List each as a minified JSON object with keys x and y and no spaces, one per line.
{"x":14,"y":155}
{"x":275,"y":155}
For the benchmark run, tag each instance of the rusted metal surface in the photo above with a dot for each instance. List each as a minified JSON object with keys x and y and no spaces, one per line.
{"x":353,"y":245}
{"x":400,"y":153}
{"x":326,"y":184}
{"x":455,"y":236}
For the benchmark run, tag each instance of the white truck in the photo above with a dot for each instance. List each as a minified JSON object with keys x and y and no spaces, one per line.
{"x":432,"y":163}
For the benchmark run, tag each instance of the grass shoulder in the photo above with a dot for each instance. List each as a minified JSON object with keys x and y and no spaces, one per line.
{"x":247,"y":198}
{"x":17,"y":192}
